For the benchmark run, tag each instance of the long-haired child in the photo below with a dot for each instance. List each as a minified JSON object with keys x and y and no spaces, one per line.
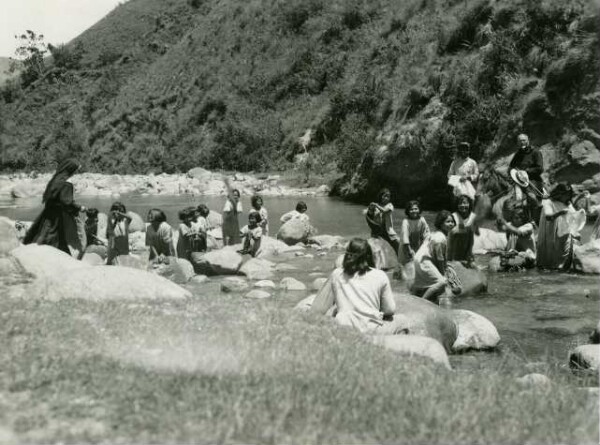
{"x":251,"y":235}
{"x":159,"y":236}
{"x":192,"y":233}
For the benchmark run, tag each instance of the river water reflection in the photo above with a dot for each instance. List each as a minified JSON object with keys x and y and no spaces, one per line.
{"x":539,"y":315}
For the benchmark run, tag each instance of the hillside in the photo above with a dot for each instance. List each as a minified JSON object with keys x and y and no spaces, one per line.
{"x":387,"y":88}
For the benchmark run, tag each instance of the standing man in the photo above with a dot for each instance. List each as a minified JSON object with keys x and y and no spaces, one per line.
{"x":463,"y":173}
{"x":531,"y":161}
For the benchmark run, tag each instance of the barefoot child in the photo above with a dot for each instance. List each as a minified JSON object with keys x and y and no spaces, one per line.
{"x":520,"y":249}
{"x":382,"y":212}
{"x":231,"y":225}
{"x":117,"y":232}
{"x":257,"y":206}
{"x":159,"y":237}
{"x":192,"y":233}
{"x":251,"y":235}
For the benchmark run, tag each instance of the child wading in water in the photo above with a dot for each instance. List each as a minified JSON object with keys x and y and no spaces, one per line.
{"x":192,"y":233}
{"x":117,"y":232}
{"x":414,"y":231}
{"x":520,"y":250}
{"x":257,"y":206}
{"x":380,"y":217}
{"x":251,"y":235}
{"x":159,"y":236}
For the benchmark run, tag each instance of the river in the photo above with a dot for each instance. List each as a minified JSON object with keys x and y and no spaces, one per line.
{"x":539,"y":315}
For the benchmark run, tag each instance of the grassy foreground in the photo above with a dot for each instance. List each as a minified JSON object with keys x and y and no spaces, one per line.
{"x":223,"y":369}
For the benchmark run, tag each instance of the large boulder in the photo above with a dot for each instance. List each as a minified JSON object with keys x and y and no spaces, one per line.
{"x":199,"y":173}
{"x":59,"y":276}
{"x":586,"y":258}
{"x":218,"y":262}
{"x":257,"y":269}
{"x":489,"y":240}
{"x":292,"y":284}
{"x":422,"y":317}
{"x":414,"y":345}
{"x":473,"y":280}
{"x":294,"y":231}
{"x":474,"y":331}
{"x":427,"y":319}
{"x":8,"y":236}
{"x":384,"y":255}
{"x":28,"y":189}
{"x":585,"y":357}
{"x":46,"y":261}
{"x":137,"y":223}
{"x":234,"y":284}
{"x":178,"y":270}
{"x":329,"y":241}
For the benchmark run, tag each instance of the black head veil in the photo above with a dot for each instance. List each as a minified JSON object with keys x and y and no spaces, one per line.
{"x":65,"y":170}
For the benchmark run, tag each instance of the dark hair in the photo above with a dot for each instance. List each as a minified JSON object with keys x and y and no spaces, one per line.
{"x":92,"y":213}
{"x":156,"y":215}
{"x":203,"y":210}
{"x":561,"y":189}
{"x":518,"y":211}
{"x":382,"y":192}
{"x":409,"y":204}
{"x":188,"y":212}
{"x":118,"y":206}
{"x":301,"y":206}
{"x":441,"y":217}
{"x":358,"y":257}
{"x":254,"y":200}
{"x":236,"y":191}
{"x":256,"y":215}
{"x":464,"y":146}
{"x":463,"y":198}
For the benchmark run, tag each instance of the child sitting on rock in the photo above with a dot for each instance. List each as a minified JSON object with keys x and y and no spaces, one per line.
{"x":251,"y":235}
{"x":159,"y":237}
{"x":520,"y":250}
{"x":117,"y":232}
{"x":192,"y":233}
{"x":299,"y":213}
{"x":257,"y":206}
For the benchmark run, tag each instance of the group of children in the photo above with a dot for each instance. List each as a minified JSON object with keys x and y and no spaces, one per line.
{"x":454,"y":235}
{"x":199,"y":230}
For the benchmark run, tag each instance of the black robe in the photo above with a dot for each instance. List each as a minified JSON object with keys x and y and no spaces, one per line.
{"x":57,"y":218}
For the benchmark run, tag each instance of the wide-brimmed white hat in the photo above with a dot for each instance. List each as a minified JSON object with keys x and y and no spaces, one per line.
{"x":520,"y":177}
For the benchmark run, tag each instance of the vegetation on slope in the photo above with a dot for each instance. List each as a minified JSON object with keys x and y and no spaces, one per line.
{"x":387,"y":87}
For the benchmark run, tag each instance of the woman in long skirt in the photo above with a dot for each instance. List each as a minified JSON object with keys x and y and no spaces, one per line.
{"x":231,"y":223}
{"x":555,"y":239}
{"x":56,"y":225}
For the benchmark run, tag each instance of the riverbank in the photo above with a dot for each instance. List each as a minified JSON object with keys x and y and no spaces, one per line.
{"x":232,"y":370}
{"x":196,"y":182}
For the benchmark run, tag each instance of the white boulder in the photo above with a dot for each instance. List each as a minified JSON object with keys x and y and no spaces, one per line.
{"x":474,"y":331}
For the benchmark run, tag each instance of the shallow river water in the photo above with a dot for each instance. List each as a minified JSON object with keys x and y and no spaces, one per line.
{"x":539,"y":315}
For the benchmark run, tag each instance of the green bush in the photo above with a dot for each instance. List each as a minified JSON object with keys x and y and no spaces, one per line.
{"x":465,"y":33}
{"x":67,"y":57}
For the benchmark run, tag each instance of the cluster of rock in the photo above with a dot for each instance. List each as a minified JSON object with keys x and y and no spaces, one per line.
{"x":587,"y":357}
{"x":197,"y":181}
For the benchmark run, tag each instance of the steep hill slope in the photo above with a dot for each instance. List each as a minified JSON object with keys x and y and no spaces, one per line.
{"x":387,"y":87}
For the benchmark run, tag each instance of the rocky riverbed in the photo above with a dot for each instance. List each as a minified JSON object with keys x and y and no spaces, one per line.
{"x":197,"y":181}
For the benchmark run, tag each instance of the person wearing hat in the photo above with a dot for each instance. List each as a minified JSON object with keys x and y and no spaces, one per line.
{"x":530,"y":160}
{"x":558,"y":229}
{"x":463,"y":172}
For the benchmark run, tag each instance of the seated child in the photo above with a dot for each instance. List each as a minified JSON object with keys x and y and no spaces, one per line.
{"x":415,"y":231}
{"x":192,"y":233}
{"x":117,"y":232}
{"x":257,"y":206}
{"x":251,"y":235}
{"x":159,"y":237}
{"x":520,"y":250}
{"x":299,"y":213}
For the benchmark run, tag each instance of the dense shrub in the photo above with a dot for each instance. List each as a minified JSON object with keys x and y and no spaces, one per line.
{"x":67,"y":57}
{"x":465,"y":33}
